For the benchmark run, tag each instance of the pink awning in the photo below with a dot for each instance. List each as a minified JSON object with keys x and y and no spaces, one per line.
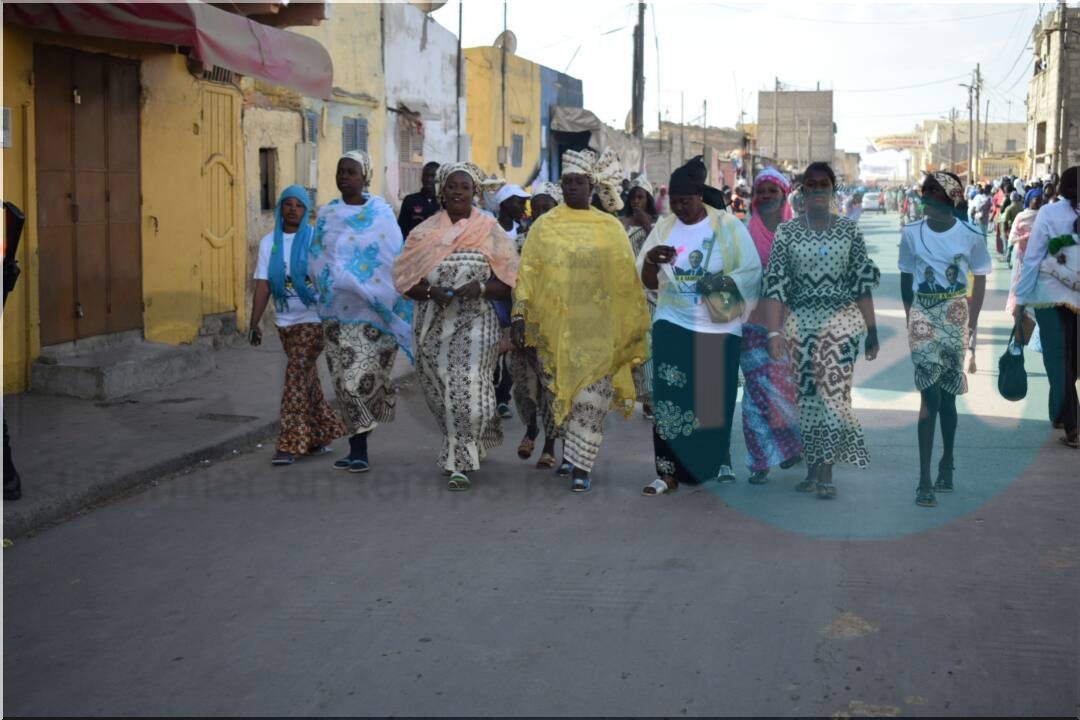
{"x":215,"y":37}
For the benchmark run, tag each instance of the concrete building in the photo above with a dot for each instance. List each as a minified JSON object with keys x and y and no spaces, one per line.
{"x":504,"y":128}
{"x":125,"y":152}
{"x":937,"y":151}
{"x":424,"y":114}
{"x":796,"y":127}
{"x":846,"y":166}
{"x":723,"y":149}
{"x":1053,"y":101}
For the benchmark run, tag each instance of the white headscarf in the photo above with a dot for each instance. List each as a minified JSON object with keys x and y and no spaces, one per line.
{"x":363,"y":159}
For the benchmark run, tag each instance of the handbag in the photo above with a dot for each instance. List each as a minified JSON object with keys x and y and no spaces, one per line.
{"x":724,"y":305}
{"x":502,"y":311}
{"x":1012,"y":378}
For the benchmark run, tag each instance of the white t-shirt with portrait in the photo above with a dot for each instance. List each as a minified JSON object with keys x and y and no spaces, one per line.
{"x":678,"y":301}
{"x":940,"y":262}
{"x":296,"y":312}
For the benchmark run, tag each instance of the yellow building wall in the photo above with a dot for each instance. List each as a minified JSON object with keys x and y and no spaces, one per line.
{"x":485,"y":121}
{"x":21,"y":337}
{"x":173,"y":201}
{"x":353,"y":37}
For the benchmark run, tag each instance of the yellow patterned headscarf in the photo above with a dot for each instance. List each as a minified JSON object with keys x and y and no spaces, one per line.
{"x":446,"y":170}
{"x":579,"y":295}
{"x":603,"y":171}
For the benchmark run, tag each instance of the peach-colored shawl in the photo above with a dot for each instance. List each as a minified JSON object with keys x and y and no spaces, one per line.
{"x":433,"y":240}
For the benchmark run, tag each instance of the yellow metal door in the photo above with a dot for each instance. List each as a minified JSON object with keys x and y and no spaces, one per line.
{"x":222,"y":195}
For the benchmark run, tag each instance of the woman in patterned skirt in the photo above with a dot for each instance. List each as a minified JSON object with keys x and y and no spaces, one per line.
{"x":453,"y":264}
{"x":531,"y":397}
{"x":820,"y":272}
{"x":364,"y":319}
{"x":638,"y":218}
{"x":770,"y":413}
{"x":308,"y":423}
{"x":941,"y":251}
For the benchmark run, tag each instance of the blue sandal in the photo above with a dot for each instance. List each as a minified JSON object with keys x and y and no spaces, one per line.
{"x":580,"y":484}
{"x":353,"y":466}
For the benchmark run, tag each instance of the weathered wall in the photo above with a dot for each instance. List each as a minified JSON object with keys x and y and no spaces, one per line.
{"x":488,"y":126}
{"x":171,"y":185}
{"x":795,"y":112}
{"x":275,"y":117}
{"x":1043,"y":95}
{"x":421,"y":76}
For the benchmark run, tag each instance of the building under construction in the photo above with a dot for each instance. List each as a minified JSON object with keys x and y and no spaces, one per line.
{"x":796,"y":127}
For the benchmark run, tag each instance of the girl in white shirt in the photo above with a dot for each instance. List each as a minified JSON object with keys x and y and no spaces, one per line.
{"x":936,"y":255}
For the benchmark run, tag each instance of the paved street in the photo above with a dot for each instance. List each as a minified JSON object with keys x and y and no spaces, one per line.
{"x":244,"y":589}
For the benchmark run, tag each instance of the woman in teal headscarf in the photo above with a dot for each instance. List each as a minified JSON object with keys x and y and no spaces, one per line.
{"x":308,"y":423}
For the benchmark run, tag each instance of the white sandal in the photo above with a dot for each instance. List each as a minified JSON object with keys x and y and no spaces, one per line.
{"x":658,"y":487}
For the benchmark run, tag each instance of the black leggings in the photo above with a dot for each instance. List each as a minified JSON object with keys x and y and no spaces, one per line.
{"x":936,"y":402}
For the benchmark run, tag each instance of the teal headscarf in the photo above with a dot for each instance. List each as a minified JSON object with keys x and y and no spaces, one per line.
{"x":298,"y":257}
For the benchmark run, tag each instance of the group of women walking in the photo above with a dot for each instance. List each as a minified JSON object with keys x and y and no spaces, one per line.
{"x":598,"y":314}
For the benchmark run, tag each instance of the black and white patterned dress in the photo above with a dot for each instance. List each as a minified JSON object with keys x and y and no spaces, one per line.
{"x":818,"y":276}
{"x":456,"y":351}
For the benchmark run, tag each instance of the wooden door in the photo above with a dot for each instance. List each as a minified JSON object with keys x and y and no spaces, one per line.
{"x":87,"y":128}
{"x":221,"y":193}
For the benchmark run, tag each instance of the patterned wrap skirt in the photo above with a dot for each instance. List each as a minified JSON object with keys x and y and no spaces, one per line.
{"x":307,"y":420}
{"x":770,"y":410}
{"x":457,"y":347}
{"x":361,"y":358}
{"x":938,"y":337}
{"x":531,"y":397}
{"x":824,"y":343}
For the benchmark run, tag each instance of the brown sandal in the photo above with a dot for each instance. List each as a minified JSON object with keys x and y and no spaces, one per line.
{"x":525,"y":449}
{"x":547,"y":461}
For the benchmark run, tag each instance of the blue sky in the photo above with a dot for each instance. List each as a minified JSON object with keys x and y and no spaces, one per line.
{"x":723,"y":53}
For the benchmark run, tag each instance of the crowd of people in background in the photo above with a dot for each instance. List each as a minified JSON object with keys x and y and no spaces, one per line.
{"x":601,"y":292}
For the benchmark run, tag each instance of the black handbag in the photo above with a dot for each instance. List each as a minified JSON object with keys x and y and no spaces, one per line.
{"x":1012,"y":378}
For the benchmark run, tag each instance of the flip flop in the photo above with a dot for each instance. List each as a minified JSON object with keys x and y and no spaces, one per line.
{"x":659,"y":487}
{"x":547,"y":461}
{"x":458,"y":482}
{"x":283,"y":458}
{"x":525,"y":449}
{"x":564,"y":469}
{"x":581,"y":484}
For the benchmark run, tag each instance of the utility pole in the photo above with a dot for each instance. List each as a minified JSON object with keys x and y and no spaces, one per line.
{"x":952,"y":143}
{"x":795,"y":136}
{"x":975,"y":140}
{"x":809,"y":147}
{"x":776,"y":123}
{"x":502,"y":142}
{"x":971,"y":134}
{"x":637,"y":120}
{"x":457,"y":100}
{"x":682,"y":128}
{"x":704,"y":125}
{"x":1061,"y":154}
{"x":986,"y":128}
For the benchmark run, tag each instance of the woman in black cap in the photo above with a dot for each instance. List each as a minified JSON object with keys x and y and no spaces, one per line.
{"x":706,"y":271}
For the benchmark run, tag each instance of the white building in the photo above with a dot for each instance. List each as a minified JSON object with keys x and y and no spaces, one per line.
{"x":422,"y":107}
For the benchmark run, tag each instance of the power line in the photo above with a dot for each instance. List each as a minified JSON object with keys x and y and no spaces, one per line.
{"x":1023,"y":48}
{"x":892,"y":115}
{"x":784,"y":16}
{"x":789,"y":86}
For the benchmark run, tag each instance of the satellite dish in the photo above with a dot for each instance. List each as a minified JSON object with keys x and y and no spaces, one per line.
{"x":506,"y":40}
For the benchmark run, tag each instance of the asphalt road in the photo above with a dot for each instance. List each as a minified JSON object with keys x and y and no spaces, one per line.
{"x":245,"y":589}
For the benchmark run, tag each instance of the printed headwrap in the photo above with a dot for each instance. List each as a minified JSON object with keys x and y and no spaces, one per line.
{"x":552,"y":190}
{"x":445,"y":171}
{"x":298,"y":256}
{"x":363,"y":159}
{"x":603,"y":171}
{"x":759,"y":231}
{"x":953,"y":189}
{"x":774,"y":176}
{"x":642,"y":182}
